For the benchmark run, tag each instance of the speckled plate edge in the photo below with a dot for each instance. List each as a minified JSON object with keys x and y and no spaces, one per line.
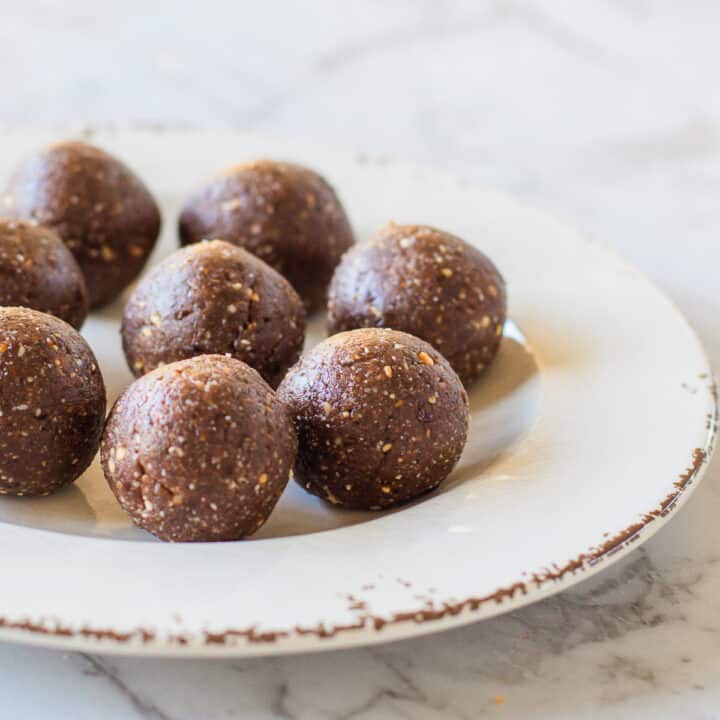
{"x":369,"y":629}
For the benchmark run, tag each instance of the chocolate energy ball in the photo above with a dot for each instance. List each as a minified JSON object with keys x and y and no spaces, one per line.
{"x":199,"y":450}
{"x":52,"y":403}
{"x":39,"y":272}
{"x":428,"y":283}
{"x":381,"y":418}
{"x":285,"y":214}
{"x":98,"y":206}
{"x":210,"y":298}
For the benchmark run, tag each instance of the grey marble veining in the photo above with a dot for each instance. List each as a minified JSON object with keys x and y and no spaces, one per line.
{"x":607,"y":114}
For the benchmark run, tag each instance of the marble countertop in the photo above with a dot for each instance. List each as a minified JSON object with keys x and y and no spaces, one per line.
{"x":605,"y":113}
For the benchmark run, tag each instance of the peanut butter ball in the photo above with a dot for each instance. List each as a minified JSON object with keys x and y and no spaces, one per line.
{"x":199,"y":450}
{"x":214,"y":298}
{"x":381,"y":418}
{"x":428,"y":283}
{"x":287,"y":215}
{"x":37,"y":271}
{"x":99,"y":207}
{"x":52,"y":403}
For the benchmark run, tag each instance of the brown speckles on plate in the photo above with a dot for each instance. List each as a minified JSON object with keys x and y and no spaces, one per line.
{"x":428,"y":610}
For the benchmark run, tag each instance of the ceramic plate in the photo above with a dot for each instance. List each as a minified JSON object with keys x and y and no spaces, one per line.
{"x":592,"y":427}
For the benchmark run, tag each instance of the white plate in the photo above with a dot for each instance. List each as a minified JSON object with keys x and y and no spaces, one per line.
{"x":591,"y":428}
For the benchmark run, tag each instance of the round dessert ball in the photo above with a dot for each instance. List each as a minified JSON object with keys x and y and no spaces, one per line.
{"x":52,"y":403}
{"x":381,"y":418}
{"x":199,"y":450}
{"x":98,"y":206}
{"x":428,"y":283}
{"x":214,"y":298}
{"x":285,"y":214}
{"x":39,"y":272}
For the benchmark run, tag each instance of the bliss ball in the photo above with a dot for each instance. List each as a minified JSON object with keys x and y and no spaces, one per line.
{"x":52,"y":403}
{"x":199,"y":450}
{"x":214,"y":298}
{"x":381,"y":418}
{"x":428,"y":283}
{"x":98,"y":206}
{"x":37,"y":271}
{"x":285,"y":214}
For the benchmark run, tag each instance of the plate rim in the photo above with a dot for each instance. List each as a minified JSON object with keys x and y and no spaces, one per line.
{"x":248,"y":642}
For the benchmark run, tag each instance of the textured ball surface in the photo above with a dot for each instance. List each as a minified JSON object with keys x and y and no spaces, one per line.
{"x":214,"y":298}
{"x":37,"y":271}
{"x":428,"y":283}
{"x":52,"y":403}
{"x":99,"y":207}
{"x":199,"y":450}
{"x":287,"y":215}
{"x":381,"y":418}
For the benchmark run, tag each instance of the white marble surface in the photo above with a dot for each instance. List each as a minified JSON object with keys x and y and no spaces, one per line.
{"x":607,"y":113}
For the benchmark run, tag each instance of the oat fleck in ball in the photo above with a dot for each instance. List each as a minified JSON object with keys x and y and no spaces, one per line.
{"x":287,"y":215}
{"x":37,"y":271}
{"x":210,"y":298}
{"x":98,"y":206}
{"x":199,"y":450}
{"x":52,"y":403}
{"x":381,"y":418}
{"x":428,"y":283}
